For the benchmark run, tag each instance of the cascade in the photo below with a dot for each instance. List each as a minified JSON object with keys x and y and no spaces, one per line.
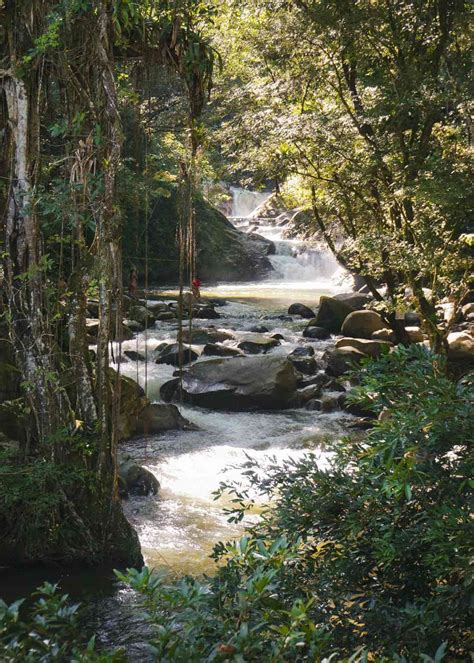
{"x":295,"y":260}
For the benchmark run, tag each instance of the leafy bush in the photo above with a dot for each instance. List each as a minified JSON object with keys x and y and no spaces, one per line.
{"x":371,"y":556}
{"x":48,"y":632}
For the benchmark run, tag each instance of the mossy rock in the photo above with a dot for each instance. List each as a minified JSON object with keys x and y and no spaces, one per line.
{"x":223,"y":252}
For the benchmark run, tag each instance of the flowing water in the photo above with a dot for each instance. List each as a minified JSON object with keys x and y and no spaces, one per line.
{"x":179,"y":527}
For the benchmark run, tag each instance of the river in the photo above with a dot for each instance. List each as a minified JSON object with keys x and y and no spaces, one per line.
{"x":179,"y":527}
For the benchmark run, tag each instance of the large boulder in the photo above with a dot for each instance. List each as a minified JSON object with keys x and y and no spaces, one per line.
{"x":334,"y":310}
{"x":461,"y":345}
{"x":257,"y":343}
{"x":356,"y":300}
{"x":136,"y":480}
{"x":204,"y":336}
{"x":385,"y":334}
{"x":265,"y":245}
{"x":362,"y":324}
{"x":218,"y":350}
{"x":241,"y":383}
{"x":340,"y":360}
{"x":302,"y":310}
{"x":370,"y":348}
{"x":157,"y":307}
{"x":303,"y":360}
{"x":142,"y":315}
{"x":316,"y":333}
{"x":224,"y":253}
{"x":132,"y":402}
{"x":206,"y":312}
{"x":159,"y":418}
{"x":170,"y":355}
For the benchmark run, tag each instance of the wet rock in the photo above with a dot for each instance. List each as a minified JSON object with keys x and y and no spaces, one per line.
{"x":257,"y":344}
{"x":283,"y":317}
{"x":316,"y":333}
{"x":385,"y":334}
{"x":309,"y":393}
{"x":265,"y":245}
{"x":331,"y":314}
{"x":132,"y":402}
{"x":165,"y":316}
{"x":320,"y":379}
{"x":369,"y":347}
{"x":302,"y":351}
{"x":134,"y":356}
{"x":302,"y":310}
{"x":142,"y":315}
{"x":170,"y":355}
{"x":461,"y":345}
{"x":313,"y":405}
{"x":278,"y":337}
{"x":340,"y":360}
{"x":127,"y":333}
{"x":158,"y":418}
{"x":204,"y":336}
{"x":333,"y":384}
{"x":169,"y":390}
{"x":362,"y":324}
{"x":157,"y":307}
{"x":136,"y":480}
{"x":259,"y":329}
{"x":206,"y":313}
{"x":218,"y":350}
{"x":329,"y":403}
{"x":303,"y":360}
{"x":241,"y":383}
{"x":134,"y":326}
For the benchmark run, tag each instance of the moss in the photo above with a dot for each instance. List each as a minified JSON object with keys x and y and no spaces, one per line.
{"x":223,"y":252}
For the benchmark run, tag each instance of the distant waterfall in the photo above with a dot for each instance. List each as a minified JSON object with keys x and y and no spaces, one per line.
{"x":244,"y":202}
{"x":295,"y":261}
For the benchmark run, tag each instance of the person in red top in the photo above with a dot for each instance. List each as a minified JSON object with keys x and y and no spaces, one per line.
{"x":196,"y":285}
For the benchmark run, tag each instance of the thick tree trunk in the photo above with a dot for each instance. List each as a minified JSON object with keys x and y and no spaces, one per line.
{"x":24,"y":274}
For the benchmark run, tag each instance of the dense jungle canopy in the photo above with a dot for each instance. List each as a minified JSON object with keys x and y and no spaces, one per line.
{"x":126,"y":126}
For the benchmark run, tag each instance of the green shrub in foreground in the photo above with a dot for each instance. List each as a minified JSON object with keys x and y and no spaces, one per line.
{"x":371,"y":556}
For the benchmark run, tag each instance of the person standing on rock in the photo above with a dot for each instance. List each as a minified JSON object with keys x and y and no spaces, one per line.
{"x":196,"y":288}
{"x":132,"y":282}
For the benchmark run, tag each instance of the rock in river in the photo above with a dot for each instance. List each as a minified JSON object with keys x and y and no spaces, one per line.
{"x":136,"y":480}
{"x":334,"y":310}
{"x":158,"y":418}
{"x":371,"y":348}
{"x":241,"y":383}
{"x":257,"y":343}
{"x":170,"y":355}
{"x":362,"y":324}
{"x":302,"y":310}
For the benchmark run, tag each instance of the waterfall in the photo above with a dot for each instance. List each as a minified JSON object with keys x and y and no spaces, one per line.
{"x":295,"y":261}
{"x":244,"y":202}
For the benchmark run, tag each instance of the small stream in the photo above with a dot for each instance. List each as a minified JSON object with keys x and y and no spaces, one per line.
{"x":179,"y":527}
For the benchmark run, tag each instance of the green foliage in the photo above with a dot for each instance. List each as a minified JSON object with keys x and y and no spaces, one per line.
{"x":373,"y":554}
{"x":37,"y":517}
{"x":47,"y":631}
{"x":361,"y":108}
